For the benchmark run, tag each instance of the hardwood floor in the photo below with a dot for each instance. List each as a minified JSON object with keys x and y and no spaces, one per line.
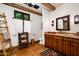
{"x":32,"y":50}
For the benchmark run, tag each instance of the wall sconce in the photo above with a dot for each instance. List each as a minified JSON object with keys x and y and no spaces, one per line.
{"x":52,"y":23}
{"x":76,"y":19}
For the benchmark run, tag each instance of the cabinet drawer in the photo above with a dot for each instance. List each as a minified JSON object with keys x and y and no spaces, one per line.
{"x":75,"y":41}
{"x":67,"y":39}
{"x":56,"y":37}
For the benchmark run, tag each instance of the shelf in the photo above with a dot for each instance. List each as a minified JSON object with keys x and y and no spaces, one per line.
{"x":23,"y":39}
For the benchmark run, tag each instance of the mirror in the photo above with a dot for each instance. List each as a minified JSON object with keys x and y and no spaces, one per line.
{"x":63,"y":23}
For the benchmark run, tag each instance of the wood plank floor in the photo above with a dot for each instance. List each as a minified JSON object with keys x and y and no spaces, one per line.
{"x":33,"y":50}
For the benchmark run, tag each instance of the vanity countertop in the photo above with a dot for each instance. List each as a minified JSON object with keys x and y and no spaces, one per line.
{"x":63,"y":35}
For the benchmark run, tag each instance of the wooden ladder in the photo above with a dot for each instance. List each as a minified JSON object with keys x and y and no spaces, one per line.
{"x":4,"y":34}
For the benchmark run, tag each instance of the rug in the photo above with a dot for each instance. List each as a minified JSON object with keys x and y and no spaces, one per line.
{"x":50,"y":52}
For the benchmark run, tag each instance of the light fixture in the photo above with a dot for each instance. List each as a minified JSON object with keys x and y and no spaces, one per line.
{"x":36,"y":6}
{"x":32,"y":5}
{"x":52,"y":23}
{"x":76,"y":19}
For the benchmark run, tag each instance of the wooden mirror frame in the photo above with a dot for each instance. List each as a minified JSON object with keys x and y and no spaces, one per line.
{"x":68,"y":22}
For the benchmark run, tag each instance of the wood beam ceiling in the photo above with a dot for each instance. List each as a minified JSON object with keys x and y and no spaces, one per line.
{"x":23,"y":8}
{"x":49,"y":6}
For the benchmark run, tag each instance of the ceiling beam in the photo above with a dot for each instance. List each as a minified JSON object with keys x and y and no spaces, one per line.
{"x":23,"y":8}
{"x":49,"y":6}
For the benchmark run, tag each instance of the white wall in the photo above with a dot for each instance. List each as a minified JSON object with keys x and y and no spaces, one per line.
{"x":36,"y":27}
{"x":45,"y":23}
{"x":66,"y":9}
{"x":46,"y":20}
{"x":15,"y":25}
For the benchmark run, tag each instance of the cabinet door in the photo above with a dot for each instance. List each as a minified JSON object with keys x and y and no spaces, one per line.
{"x":74,"y":49}
{"x":46,"y":40}
{"x":58,"y":43}
{"x":54,"y":43}
{"x":50,"y":41}
{"x":66,"y":47}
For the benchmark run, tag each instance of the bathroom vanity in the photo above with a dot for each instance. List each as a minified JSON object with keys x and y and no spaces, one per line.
{"x":67,"y":44}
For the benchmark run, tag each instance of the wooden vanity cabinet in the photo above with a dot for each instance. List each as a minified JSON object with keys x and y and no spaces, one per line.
{"x":54,"y":43}
{"x":51,"y":42}
{"x":58,"y":43}
{"x":75,"y":47}
{"x":67,"y":45}
{"x":48,"y":41}
{"x":70,"y":47}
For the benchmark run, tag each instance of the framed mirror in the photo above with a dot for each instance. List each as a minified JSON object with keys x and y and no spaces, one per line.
{"x":63,"y":23}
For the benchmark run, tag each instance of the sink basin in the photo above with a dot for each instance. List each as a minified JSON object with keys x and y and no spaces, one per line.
{"x":52,"y":32}
{"x":69,"y":34}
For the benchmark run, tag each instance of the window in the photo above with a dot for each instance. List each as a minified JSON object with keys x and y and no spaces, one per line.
{"x":20,"y":15}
